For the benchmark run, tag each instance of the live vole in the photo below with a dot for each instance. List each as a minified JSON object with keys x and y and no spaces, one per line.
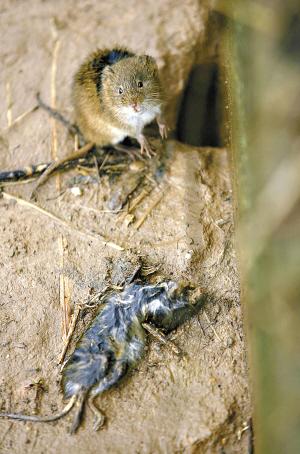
{"x":115,"y":94}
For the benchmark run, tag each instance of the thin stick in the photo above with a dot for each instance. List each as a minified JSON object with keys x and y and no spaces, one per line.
{"x":169,"y":242}
{"x":64,"y":292}
{"x":98,"y":168}
{"x":138,"y":199}
{"x":62,"y":300}
{"x":241,"y":431}
{"x":212,"y":327}
{"x":5,"y":434}
{"x":36,"y":434}
{"x":141,"y":221}
{"x":67,"y":301}
{"x":74,"y":155}
{"x":53,"y":105}
{"x":8,"y":104}
{"x":134,"y":204}
{"x":22,"y":116}
{"x":85,"y":170}
{"x":54,"y":68}
{"x":60,"y":221}
{"x":71,"y":330}
{"x":131,"y":151}
{"x":98,"y":178}
{"x":99,"y":211}
{"x":76,"y":142}
{"x":103,"y":162}
{"x":158,"y":335}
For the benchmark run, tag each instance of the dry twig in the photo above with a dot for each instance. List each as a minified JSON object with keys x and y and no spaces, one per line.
{"x":60,"y":221}
{"x":212,"y":327}
{"x":21,"y":117}
{"x":53,"y":105}
{"x":6,"y":433}
{"x":64,"y":291}
{"x":158,"y":335}
{"x":141,"y":221}
{"x":71,"y":330}
{"x":8,"y":104}
{"x":98,"y":178}
{"x":75,"y":155}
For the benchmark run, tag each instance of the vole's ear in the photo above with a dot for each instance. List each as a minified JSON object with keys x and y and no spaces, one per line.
{"x":147,"y":60}
{"x":150,"y":64}
{"x":107,"y":72}
{"x":150,"y":60}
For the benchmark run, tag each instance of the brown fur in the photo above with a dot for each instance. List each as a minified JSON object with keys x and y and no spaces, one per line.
{"x":99,"y":107}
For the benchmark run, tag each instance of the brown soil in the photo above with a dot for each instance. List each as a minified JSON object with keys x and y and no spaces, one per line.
{"x":197,"y":404}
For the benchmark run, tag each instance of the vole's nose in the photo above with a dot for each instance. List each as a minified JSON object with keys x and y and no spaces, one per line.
{"x":136,"y":107}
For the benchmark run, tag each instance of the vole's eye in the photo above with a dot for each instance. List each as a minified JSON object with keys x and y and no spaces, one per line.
{"x":140,"y":84}
{"x":120,"y":90}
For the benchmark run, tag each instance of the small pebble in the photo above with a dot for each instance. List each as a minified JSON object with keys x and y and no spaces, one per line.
{"x":229,"y":342}
{"x":136,"y":166}
{"x":189,"y":255}
{"x":76,"y":191}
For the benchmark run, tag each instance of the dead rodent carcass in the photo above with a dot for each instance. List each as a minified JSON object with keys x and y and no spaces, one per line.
{"x":115,"y":342}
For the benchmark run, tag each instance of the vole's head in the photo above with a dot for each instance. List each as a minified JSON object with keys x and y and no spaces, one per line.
{"x":132,"y":85}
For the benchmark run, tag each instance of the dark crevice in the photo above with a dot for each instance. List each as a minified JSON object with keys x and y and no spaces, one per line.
{"x":199,"y":119}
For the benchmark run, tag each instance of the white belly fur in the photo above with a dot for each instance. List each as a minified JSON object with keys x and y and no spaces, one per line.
{"x":138,"y":120}
{"x":117,"y":134}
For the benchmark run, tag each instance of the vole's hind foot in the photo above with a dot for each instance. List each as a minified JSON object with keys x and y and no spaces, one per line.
{"x":146,"y":147}
{"x":71,"y":127}
{"x":79,"y":412}
{"x":99,"y":417}
{"x":117,"y":372}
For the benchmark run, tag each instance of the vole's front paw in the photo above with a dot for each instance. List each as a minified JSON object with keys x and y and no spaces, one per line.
{"x":163,"y":130}
{"x":146,"y":147}
{"x":163,"y":127}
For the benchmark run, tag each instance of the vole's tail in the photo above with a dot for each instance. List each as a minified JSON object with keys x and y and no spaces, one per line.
{"x":71,"y":127}
{"x":32,"y":418}
{"x":23,"y":174}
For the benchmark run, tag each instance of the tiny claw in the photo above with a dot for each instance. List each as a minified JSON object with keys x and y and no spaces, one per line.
{"x":99,"y":417}
{"x":163,"y":130}
{"x":98,"y":422}
{"x":146,"y":147}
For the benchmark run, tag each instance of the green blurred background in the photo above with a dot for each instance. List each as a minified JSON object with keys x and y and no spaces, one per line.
{"x":261,"y":76}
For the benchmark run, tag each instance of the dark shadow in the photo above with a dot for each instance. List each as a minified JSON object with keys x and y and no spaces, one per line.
{"x":200,"y":111}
